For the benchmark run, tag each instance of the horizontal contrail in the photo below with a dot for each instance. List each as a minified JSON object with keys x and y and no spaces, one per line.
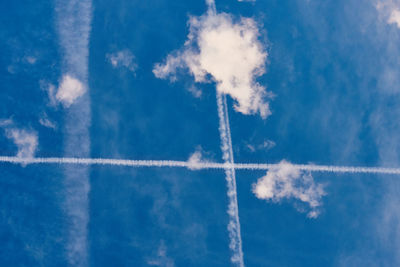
{"x":198,"y":165}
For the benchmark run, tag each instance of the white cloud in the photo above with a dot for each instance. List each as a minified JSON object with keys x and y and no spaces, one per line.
{"x":394,"y":17}
{"x":123,"y":58}
{"x":26,"y":141}
{"x":196,"y":158}
{"x":69,"y":90}
{"x":390,"y":11}
{"x":226,"y":51}
{"x":285,"y":181}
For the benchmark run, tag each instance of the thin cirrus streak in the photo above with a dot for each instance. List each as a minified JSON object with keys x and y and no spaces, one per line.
{"x":198,"y":165}
{"x":233,"y":209}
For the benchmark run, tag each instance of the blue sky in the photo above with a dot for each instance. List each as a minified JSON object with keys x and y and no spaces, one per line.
{"x":138,"y":80}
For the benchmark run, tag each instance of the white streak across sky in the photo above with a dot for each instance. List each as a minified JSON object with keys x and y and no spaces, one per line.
{"x":227,"y":155}
{"x":198,"y":165}
{"x":74,"y":26}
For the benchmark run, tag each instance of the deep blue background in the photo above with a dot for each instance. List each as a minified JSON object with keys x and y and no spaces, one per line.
{"x":327,"y":62}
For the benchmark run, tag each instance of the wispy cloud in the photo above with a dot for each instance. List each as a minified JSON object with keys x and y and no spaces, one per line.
{"x":46,"y":122}
{"x":50,"y":89}
{"x":265,"y":145}
{"x":227,"y":51}
{"x":286,"y":182}
{"x":25,"y":140}
{"x":123,"y":58}
{"x":196,"y":92}
{"x":161,"y":259}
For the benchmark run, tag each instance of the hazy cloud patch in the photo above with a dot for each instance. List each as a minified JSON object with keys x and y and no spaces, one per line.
{"x":161,"y":259}
{"x":123,"y":58}
{"x":25,"y":140}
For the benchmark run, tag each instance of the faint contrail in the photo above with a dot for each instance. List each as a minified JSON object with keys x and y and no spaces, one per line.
{"x":198,"y":165}
{"x":233,"y":209}
{"x":74,"y":25}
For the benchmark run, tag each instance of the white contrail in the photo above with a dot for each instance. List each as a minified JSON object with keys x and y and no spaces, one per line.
{"x":199,"y":165}
{"x":233,"y":209}
{"x":74,"y":26}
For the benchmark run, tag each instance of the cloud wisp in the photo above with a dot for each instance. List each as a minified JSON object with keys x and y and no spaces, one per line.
{"x":224,"y":50}
{"x":286,"y":182}
{"x":123,"y":58}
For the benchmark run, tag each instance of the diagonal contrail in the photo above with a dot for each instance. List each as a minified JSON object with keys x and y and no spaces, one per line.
{"x":227,"y":154}
{"x":198,"y":165}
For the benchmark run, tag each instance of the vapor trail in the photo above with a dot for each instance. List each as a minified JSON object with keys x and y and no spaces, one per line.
{"x":74,"y":26}
{"x":227,"y":154}
{"x":198,"y":165}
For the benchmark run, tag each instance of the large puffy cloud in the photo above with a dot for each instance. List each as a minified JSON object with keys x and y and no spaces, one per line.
{"x":226,"y":51}
{"x":69,"y":90}
{"x":285,"y":181}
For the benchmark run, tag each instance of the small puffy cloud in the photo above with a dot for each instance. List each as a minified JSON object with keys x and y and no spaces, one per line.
{"x":394,"y":17}
{"x":225,"y":51}
{"x":26,"y":141}
{"x":196,"y":158}
{"x":286,"y":181}
{"x":69,"y":90}
{"x":123,"y":58}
